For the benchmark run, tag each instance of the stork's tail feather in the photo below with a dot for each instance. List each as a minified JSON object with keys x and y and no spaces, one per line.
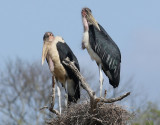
{"x":115,"y":77}
{"x":76,"y":95}
{"x":114,"y":84}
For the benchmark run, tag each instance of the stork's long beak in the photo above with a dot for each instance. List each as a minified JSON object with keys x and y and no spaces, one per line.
{"x":44,"y":52}
{"x":91,"y":19}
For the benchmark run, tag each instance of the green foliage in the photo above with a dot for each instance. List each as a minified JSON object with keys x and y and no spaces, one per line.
{"x":148,"y":115}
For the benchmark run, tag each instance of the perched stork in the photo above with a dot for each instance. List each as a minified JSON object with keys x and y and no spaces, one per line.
{"x":101,"y":48}
{"x":55,"y":50}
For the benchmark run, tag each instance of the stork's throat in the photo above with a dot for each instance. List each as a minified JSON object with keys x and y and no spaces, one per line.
{"x":85,"y":24}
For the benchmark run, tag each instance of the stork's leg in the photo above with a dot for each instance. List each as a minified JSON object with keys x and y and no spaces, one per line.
{"x":59,"y":97}
{"x":100,"y":79}
{"x":66,"y":95}
{"x":114,"y":92}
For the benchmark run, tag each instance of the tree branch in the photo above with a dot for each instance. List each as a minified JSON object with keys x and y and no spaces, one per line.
{"x":53,"y":92}
{"x":98,"y":120}
{"x":113,"y":99}
{"x":93,"y":99}
{"x":51,"y":109}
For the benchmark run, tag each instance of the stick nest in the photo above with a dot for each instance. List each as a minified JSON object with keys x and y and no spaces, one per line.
{"x":104,"y":114}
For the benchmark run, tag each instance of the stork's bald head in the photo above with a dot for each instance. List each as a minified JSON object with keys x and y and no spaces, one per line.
{"x":48,"y":36}
{"x":87,"y":13}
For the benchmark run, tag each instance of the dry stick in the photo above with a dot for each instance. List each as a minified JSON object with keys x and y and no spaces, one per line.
{"x":53,"y":93}
{"x":98,"y":120}
{"x":93,"y":99}
{"x":51,"y":108}
{"x":105,"y":93}
{"x":113,"y":99}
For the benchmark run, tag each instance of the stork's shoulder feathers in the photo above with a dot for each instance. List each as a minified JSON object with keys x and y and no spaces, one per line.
{"x":59,"y":39}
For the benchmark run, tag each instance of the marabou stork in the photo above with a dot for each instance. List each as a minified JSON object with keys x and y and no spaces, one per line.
{"x":101,"y":48}
{"x":55,"y":50}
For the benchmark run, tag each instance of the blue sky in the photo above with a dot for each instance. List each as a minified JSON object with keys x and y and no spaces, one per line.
{"x":133,"y":25}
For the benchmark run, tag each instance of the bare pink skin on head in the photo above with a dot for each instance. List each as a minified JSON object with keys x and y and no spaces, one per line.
{"x":84,"y":20}
{"x":85,"y":24}
{"x":83,"y":12}
{"x":51,"y":36}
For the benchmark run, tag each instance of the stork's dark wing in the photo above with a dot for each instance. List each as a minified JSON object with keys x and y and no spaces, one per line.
{"x":108,"y":51}
{"x":64,"y":52}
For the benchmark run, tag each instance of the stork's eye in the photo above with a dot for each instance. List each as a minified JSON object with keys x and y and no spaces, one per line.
{"x":50,"y":34}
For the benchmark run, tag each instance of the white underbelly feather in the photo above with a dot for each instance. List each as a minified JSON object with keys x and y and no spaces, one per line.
{"x":92,"y":54}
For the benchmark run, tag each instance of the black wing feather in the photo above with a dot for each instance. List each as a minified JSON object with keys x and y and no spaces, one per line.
{"x":64,"y":52}
{"x":108,"y":51}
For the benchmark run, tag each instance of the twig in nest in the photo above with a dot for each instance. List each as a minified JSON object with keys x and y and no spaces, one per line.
{"x":51,"y":109}
{"x":98,"y":120}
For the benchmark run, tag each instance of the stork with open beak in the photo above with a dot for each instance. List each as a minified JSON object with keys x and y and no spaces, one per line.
{"x":55,"y":50}
{"x":101,"y":48}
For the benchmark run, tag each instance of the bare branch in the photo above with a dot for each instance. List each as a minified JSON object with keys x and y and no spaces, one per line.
{"x":51,"y":109}
{"x":98,"y":120}
{"x":112,"y":99}
{"x":105,"y":93}
{"x":53,"y":92}
{"x":93,"y":99}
